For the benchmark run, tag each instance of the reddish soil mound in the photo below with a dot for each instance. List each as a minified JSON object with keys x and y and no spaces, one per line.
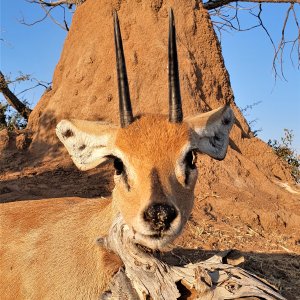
{"x":248,"y":201}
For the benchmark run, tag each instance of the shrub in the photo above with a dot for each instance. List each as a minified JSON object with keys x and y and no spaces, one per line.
{"x":285,"y":151}
{"x":11,"y":119}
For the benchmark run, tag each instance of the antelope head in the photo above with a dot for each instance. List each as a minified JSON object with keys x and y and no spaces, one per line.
{"x":154,"y":155}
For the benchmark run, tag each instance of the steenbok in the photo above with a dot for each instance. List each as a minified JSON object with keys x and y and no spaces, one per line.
{"x":49,"y":248}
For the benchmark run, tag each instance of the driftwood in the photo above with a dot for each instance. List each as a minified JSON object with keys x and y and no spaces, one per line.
{"x":144,"y":276}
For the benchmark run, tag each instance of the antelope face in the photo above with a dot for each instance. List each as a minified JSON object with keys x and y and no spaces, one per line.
{"x":154,"y":155}
{"x":155,"y":178}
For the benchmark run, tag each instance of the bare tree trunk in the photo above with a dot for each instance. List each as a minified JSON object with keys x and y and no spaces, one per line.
{"x":2,"y":117}
{"x":212,"y":4}
{"x":12,"y":99}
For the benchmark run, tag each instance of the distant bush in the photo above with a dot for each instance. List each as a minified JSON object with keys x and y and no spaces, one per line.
{"x":15,"y":111}
{"x":2,"y":116}
{"x":285,"y":151}
{"x":11,"y":119}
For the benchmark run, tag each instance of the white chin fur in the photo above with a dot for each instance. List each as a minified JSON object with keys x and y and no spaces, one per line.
{"x":146,"y":237}
{"x":154,"y":243}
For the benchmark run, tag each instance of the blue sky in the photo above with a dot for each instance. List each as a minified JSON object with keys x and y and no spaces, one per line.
{"x":248,"y":57}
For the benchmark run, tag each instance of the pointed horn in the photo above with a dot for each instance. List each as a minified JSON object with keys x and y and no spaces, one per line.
{"x":125,"y":109}
{"x":175,"y":109}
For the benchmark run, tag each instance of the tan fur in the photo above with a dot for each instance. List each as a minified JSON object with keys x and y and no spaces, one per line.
{"x":49,"y":248}
{"x":154,"y":165}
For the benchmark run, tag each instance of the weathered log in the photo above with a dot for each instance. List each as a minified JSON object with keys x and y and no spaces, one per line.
{"x":145,"y":276}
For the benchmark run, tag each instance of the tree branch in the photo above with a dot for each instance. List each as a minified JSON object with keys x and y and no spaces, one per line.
{"x":279,"y":51}
{"x":227,"y":17}
{"x":48,"y":6}
{"x":47,"y":12}
{"x":46,"y":85}
{"x":213,"y":4}
{"x":57,"y":3}
{"x":12,"y":99}
{"x":37,"y":21}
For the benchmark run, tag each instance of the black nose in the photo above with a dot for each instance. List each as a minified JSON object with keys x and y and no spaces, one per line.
{"x":160,"y":216}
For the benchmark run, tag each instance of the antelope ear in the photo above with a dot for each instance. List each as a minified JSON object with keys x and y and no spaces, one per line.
{"x":211,"y":131}
{"x":89,"y":143}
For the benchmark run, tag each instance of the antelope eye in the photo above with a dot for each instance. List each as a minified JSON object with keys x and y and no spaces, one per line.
{"x":191,"y":159}
{"x":119,"y":166}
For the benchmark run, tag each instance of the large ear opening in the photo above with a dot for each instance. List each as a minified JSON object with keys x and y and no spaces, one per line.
{"x":211,"y":131}
{"x":89,"y":143}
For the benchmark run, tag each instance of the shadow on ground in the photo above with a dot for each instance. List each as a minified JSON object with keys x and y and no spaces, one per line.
{"x":57,"y":183}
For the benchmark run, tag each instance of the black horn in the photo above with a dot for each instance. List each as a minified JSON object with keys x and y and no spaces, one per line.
{"x":125,"y":109}
{"x":175,"y":109}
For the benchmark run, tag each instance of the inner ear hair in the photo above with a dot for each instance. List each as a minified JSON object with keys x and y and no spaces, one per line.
{"x":88,"y":142}
{"x":211,"y":131}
